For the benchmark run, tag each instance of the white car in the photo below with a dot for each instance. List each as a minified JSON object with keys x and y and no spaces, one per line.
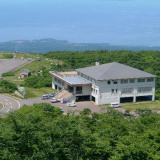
{"x":54,"y":100}
{"x":115,"y":105}
{"x":72,"y":104}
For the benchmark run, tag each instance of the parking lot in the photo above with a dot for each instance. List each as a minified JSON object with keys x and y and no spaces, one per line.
{"x":80,"y":105}
{"x":10,"y":64}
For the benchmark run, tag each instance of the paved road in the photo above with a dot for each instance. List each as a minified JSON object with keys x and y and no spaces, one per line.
{"x":80,"y":105}
{"x":9,"y":104}
{"x":10,"y":64}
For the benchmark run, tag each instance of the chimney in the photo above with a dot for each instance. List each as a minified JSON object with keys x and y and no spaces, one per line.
{"x":97,"y":62}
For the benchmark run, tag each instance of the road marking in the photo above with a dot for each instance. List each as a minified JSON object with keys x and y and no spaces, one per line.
{"x":16,"y":101}
{"x":2,"y":105}
{"x":9,"y":103}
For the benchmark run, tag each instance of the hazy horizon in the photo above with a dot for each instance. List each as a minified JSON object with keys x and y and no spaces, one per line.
{"x":117,"y":22}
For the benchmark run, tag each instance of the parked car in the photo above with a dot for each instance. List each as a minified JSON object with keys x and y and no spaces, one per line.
{"x":115,"y":105}
{"x":71,"y":104}
{"x":46,"y":96}
{"x":54,"y":100}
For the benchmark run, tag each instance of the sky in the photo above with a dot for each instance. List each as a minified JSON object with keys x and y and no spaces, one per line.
{"x":117,"y":22}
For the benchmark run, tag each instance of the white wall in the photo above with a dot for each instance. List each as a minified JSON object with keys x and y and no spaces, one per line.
{"x":102,"y":91}
{"x":86,"y":90}
{"x":58,"y":84}
{"x":105,"y":95}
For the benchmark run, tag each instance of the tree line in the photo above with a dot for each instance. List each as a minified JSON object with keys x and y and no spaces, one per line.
{"x":144,"y":60}
{"x":42,"y":132}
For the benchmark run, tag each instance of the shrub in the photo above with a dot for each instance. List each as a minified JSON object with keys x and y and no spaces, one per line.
{"x":8,"y":74}
{"x":7,"y":87}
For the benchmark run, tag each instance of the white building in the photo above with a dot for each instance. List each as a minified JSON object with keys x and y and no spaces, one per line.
{"x":104,"y":83}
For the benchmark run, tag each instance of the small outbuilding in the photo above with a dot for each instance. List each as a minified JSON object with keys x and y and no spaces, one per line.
{"x":25,"y":73}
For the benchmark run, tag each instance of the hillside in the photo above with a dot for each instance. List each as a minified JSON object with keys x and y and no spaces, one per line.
{"x":46,"y":45}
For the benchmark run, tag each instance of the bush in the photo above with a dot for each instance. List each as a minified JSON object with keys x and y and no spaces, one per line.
{"x":7,"y":87}
{"x":8,"y":74}
{"x":39,"y":81}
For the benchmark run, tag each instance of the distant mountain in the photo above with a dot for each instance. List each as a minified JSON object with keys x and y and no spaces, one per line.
{"x":46,"y":45}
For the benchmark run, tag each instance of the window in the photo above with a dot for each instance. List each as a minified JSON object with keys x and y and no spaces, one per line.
{"x":78,"y":89}
{"x":144,"y":89}
{"x":131,"y":80}
{"x":109,"y":82}
{"x":114,"y":91}
{"x":127,"y":90}
{"x":63,"y":83}
{"x":55,"y":79}
{"x":124,"y":81}
{"x":149,"y":79}
{"x":141,"y":80}
{"x":115,"y":82}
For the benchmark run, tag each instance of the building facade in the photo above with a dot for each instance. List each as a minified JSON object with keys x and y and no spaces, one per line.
{"x":106,"y":83}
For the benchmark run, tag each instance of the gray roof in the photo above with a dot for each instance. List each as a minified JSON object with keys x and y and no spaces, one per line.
{"x":114,"y":70}
{"x":72,"y":79}
{"x":76,"y":80}
{"x":26,"y":70}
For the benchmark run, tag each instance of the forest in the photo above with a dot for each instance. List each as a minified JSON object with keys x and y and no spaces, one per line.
{"x":148,"y":61}
{"x":42,"y":132}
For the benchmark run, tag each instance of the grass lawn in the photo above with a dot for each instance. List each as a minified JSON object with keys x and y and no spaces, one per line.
{"x":34,"y":66}
{"x":32,"y":92}
{"x":40,"y":61}
{"x":152,"y":105}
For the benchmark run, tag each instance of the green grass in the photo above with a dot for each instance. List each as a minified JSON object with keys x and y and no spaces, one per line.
{"x":32,"y":92}
{"x":34,"y":66}
{"x":152,"y":105}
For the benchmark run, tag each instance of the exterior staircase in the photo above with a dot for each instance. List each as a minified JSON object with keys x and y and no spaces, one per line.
{"x":64,"y":94}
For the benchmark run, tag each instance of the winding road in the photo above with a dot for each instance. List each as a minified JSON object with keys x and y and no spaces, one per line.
{"x":8,"y":104}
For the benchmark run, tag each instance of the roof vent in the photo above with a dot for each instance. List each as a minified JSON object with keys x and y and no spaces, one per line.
{"x":97,"y":62}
